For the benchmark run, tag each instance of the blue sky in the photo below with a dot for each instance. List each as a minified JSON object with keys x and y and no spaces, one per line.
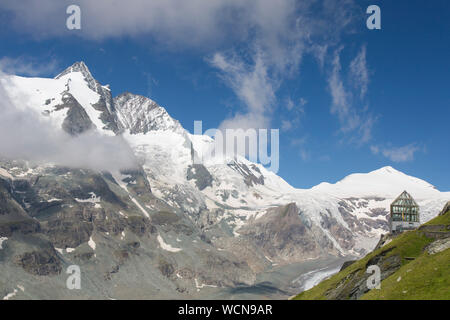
{"x":346,"y":99}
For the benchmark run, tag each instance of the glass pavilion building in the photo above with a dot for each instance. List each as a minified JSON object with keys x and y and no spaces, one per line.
{"x":404,"y":213}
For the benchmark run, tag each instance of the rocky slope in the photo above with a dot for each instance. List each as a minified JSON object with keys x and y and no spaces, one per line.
{"x":166,"y":226}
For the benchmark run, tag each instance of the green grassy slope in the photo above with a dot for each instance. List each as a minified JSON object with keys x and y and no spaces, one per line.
{"x":410,"y":272}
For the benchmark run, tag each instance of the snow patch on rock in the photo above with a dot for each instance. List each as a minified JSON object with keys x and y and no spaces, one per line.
{"x":166,"y":246}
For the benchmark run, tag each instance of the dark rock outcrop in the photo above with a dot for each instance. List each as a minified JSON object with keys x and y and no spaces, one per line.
{"x":347,"y":264}
{"x":445,"y":209}
{"x":77,"y":120}
{"x":140,"y":225}
{"x":201,"y":175}
{"x":354,"y":285}
{"x":44,"y":262}
{"x":250,"y":177}
{"x":282,"y":234}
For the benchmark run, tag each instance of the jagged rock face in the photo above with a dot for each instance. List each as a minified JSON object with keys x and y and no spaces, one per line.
{"x":343,"y":235}
{"x":90,"y":219}
{"x":283,"y":236}
{"x":354,"y":285}
{"x":201,"y":175}
{"x":250,"y":177}
{"x":77,"y":120}
{"x":13,"y":218}
{"x":41,"y":263}
{"x":8,"y":206}
{"x":445,"y":209}
{"x":438,"y":245}
{"x":139,"y":114}
{"x":104,"y":105}
{"x":81,"y":67}
{"x":375,"y":216}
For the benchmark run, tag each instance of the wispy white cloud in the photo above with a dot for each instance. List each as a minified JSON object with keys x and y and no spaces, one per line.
{"x":397,"y":154}
{"x":252,"y":86}
{"x":28,"y":66}
{"x":298,"y":106}
{"x":340,"y":97}
{"x":303,"y":102}
{"x":281,"y":34}
{"x":365,"y":129}
{"x":305,"y":155}
{"x":324,"y":158}
{"x":295,"y":113}
{"x":359,"y":72}
{"x":300,"y":144}
{"x":286,"y":125}
{"x":344,"y":103}
{"x":299,"y":141}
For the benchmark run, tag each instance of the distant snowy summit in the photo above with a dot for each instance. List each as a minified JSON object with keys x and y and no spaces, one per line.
{"x":381,"y":182}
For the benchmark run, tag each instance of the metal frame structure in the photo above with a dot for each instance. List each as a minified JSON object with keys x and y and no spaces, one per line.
{"x":404,"y":213}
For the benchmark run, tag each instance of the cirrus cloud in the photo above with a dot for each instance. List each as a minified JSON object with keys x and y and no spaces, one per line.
{"x":397,"y":154}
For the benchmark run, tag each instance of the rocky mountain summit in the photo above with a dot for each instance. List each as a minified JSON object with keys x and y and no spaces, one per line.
{"x":166,"y":226}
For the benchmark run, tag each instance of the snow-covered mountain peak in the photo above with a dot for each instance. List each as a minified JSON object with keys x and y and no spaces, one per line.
{"x":387,"y":170}
{"x":139,"y":115}
{"x":385,"y":181}
{"x":86,"y":75}
{"x":79,"y":66}
{"x":73,"y":100}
